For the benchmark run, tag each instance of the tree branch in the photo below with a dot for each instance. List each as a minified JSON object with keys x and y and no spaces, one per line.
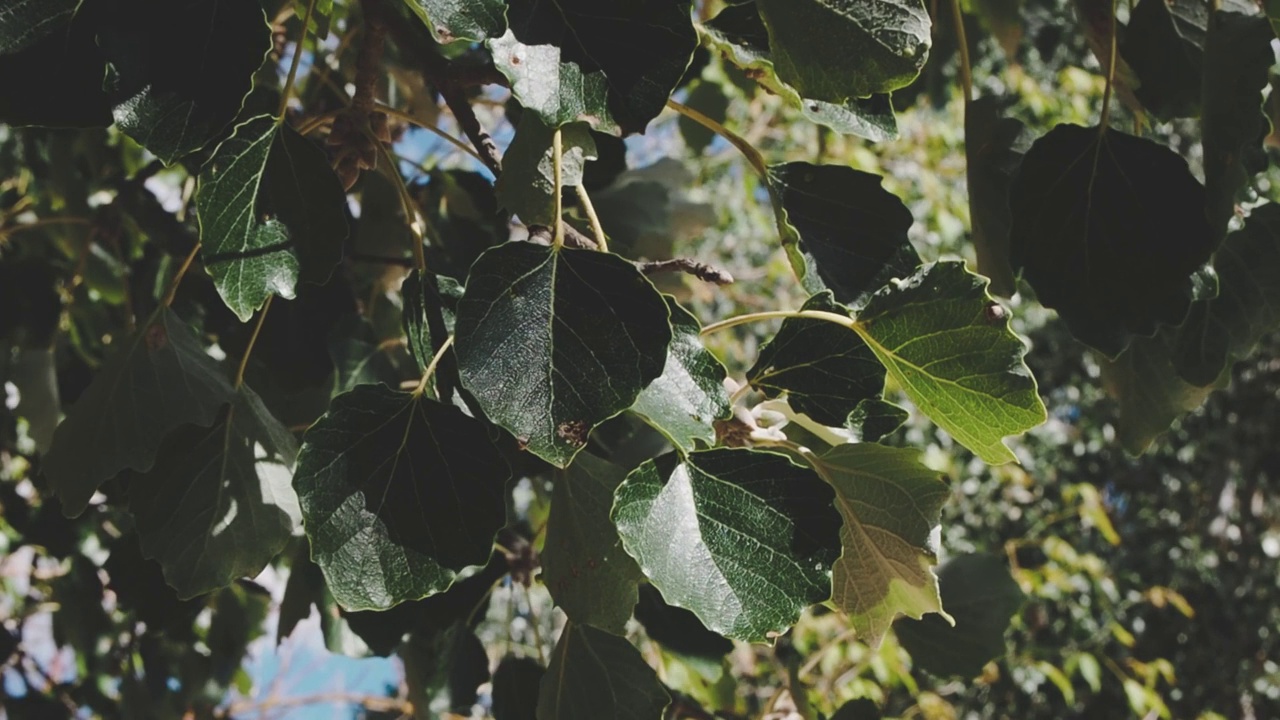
{"x":689,"y":266}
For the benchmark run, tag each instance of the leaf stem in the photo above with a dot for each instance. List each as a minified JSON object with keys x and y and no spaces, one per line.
{"x":253,"y":339}
{"x":406,"y":117}
{"x":431,"y":367}
{"x":309,"y":125}
{"x":841,"y":320}
{"x":966,"y":71}
{"x":177,"y":278}
{"x":744,"y":146}
{"x":596,"y":228}
{"x":557,"y":150}
{"x":1111,"y":76}
{"x":293,"y":64}
{"x":409,"y":208}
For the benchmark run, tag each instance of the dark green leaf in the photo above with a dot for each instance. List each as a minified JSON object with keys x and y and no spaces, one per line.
{"x":24,"y":22}
{"x":890,"y":503}
{"x":994,"y":147}
{"x":1238,"y":60}
{"x":1108,"y":229}
{"x":515,"y":688}
{"x":553,"y":342}
{"x":743,"y":539}
{"x":740,"y":34}
{"x":1247,"y":306}
{"x":452,"y":662}
{"x":1003,"y":19}
{"x":389,"y":480}
{"x":159,"y":379}
{"x":950,"y":348}
{"x":834,"y":50}
{"x":271,"y":212}
{"x":430,"y":310}
{"x":178,"y":72}
{"x":841,"y":229}
{"x":359,"y":358}
{"x":527,"y":185}
{"x":981,"y":596}
{"x":860,"y":709}
{"x":594,"y":674}
{"x":52,"y":72}
{"x":239,"y":614}
{"x":1164,"y":44}
{"x":677,"y":629}
{"x":612,"y":63}
{"x":824,"y":369}
{"x":218,"y":504}
{"x":33,"y":373}
{"x":584,"y":566}
{"x":689,"y":395}
{"x":451,"y":20}
{"x":873,"y":419}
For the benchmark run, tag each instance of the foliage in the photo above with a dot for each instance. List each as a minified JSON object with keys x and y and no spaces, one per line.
{"x":243,"y":334}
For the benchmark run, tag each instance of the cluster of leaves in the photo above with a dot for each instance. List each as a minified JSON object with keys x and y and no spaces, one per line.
{"x":478,"y":361}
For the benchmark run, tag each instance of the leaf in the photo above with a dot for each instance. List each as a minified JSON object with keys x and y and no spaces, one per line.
{"x":430,"y":311}
{"x":611,"y":63}
{"x":981,"y":596}
{"x":1095,"y":212}
{"x":178,"y":73}
{"x":159,"y":379}
{"x":321,"y":16}
{"x":24,"y":22}
{"x":744,"y":539}
{"x":553,"y":342}
{"x":950,"y":348}
{"x":1003,"y":19}
{"x":1238,"y":60}
{"x":873,"y":419}
{"x":1150,"y":393}
{"x":677,"y":629}
{"x":1229,"y":326}
{"x":994,"y":147}
{"x":218,"y":504}
{"x":399,"y":494}
{"x":594,"y":674}
{"x":527,"y":185}
{"x":890,"y":503}
{"x":841,"y":229}
{"x":32,"y":371}
{"x":824,"y":369}
{"x":590,"y":577}
{"x":515,"y":688}
{"x":684,"y":402}
{"x":860,"y":709}
{"x":834,"y":50}
{"x":708,"y":98}
{"x":271,"y":212}
{"x":1164,"y":44}
{"x":358,"y":356}
{"x":450,"y":20}
{"x":51,"y":67}
{"x":741,"y":36}
{"x":1273,"y":14}
{"x":451,"y":662}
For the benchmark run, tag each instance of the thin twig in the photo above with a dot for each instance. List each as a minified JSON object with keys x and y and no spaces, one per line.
{"x":746,"y":148}
{"x":297,"y":58}
{"x":700,"y":270}
{"x":431,"y":367}
{"x":406,"y":117}
{"x":596,"y":228}
{"x":177,"y":279}
{"x":465,"y":115}
{"x":966,"y":72}
{"x":244,"y":359}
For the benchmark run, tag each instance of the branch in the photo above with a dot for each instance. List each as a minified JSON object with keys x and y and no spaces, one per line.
{"x":456,"y":98}
{"x":700,"y":270}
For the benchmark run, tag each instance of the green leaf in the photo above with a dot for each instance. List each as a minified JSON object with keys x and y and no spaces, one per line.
{"x":1238,"y":60}
{"x":450,"y":20}
{"x":834,"y":50}
{"x":949,"y":346}
{"x":741,"y":36}
{"x":994,"y":147}
{"x":218,"y":504}
{"x":1164,"y":44}
{"x":611,"y":63}
{"x":450,"y":662}
{"x":178,"y":73}
{"x":1227,"y":327}
{"x":159,"y":379}
{"x":684,"y":402}
{"x":359,"y":357}
{"x":824,"y":369}
{"x":744,"y":539}
{"x":271,"y":212}
{"x":430,"y":311}
{"x":677,"y":629}
{"x":890,"y":503}
{"x":389,"y":481}
{"x":554,"y":342}
{"x":515,"y":688}
{"x":591,"y":578}
{"x":1273,"y":14}
{"x":321,"y":16}
{"x":527,"y":185}
{"x":24,"y":22}
{"x":594,"y":674}
{"x":841,"y":229}
{"x":1108,"y":229}
{"x":981,"y":596}
{"x":873,"y":419}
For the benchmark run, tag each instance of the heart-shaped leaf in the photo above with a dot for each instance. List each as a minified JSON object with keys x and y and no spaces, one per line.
{"x":271,"y":212}
{"x":1094,"y":213}
{"x":684,"y":402}
{"x":390,"y":480}
{"x":594,"y":674}
{"x":890,"y":503}
{"x":742,"y":538}
{"x":552,"y":342}
{"x":950,"y":348}
{"x":218,"y":505}
{"x":159,"y":379}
